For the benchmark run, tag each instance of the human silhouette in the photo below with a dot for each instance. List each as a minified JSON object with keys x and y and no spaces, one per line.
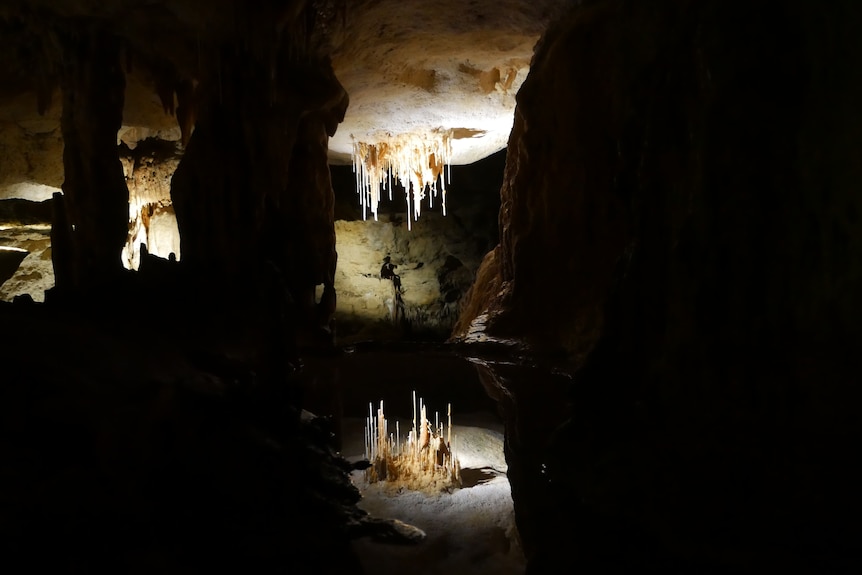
{"x":387,"y":272}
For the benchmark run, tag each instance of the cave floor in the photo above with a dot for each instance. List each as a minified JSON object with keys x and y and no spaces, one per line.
{"x":470,"y":529}
{"x":110,"y":400}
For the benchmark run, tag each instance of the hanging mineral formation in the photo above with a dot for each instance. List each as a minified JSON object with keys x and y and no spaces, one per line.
{"x":424,"y":460}
{"x":416,"y":161}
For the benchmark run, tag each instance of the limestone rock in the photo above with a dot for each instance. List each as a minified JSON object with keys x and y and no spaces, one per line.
{"x":424,"y":67}
{"x":10,"y":259}
{"x":390,"y":531}
{"x":35,"y":274}
{"x":671,"y":171}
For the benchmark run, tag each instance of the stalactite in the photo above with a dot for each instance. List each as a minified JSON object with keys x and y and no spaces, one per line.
{"x":418,"y":161}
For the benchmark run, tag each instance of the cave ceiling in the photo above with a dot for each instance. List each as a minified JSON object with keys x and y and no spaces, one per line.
{"x":448,"y":66}
{"x":410,"y":68}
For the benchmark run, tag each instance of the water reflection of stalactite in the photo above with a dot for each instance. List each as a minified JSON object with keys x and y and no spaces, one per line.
{"x":423,"y":460}
{"x":400,"y":316}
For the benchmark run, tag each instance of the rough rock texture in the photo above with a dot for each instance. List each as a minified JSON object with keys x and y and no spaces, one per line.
{"x":146,"y":116}
{"x":148,"y":168}
{"x":30,"y":140}
{"x":31,"y":146}
{"x":243,"y":88}
{"x":35,"y":273}
{"x":94,"y":225}
{"x":10,"y":259}
{"x":679,"y":222}
{"x":240,"y":130}
{"x":436,"y":260}
{"x":26,"y":225}
{"x":182,"y":464}
{"x":680,"y":216}
{"x":424,"y":67}
{"x":307,"y":215}
{"x":103,"y":448}
{"x":172,"y":68}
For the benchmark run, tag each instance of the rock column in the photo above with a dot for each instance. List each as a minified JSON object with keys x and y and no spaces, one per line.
{"x":95,"y":198}
{"x":253,"y":190}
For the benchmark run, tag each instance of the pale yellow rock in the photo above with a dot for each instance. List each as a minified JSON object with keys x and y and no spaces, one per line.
{"x":419,"y":67}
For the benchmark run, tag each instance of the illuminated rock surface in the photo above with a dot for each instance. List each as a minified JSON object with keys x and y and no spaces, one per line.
{"x":670,"y":325}
{"x":430,"y":84}
{"x":471,"y":526}
{"x":35,"y":274}
{"x":414,"y":68}
{"x":10,"y":259}
{"x":436,"y":259}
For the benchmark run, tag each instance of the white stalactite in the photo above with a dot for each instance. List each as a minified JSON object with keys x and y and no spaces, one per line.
{"x":418,"y":162}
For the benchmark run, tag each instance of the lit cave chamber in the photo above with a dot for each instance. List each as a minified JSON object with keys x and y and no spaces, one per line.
{"x":317,"y":286}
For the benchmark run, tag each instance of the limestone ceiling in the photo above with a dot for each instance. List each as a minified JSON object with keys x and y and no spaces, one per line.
{"x":451,"y":66}
{"x":409,"y":67}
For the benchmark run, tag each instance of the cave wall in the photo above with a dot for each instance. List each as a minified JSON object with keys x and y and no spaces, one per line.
{"x":436,"y":258}
{"x":250,"y":100}
{"x":31,"y":146}
{"x":25,"y":225}
{"x":148,"y":168}
{"x":308,"y":214}
{"x":680,"y":219}
{"x":90,"y":234}
{"x":252,"y":191}
{"x":755,"y":130}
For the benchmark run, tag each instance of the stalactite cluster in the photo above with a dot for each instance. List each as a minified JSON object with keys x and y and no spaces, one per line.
{"x":418,"y":162}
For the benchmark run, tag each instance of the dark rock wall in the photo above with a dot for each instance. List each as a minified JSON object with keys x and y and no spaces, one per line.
{"x":95,"y":199}
{"x":308,"y":215}
{"x":253,"y":90}
{"x":253,"y":185}
{"x":238,"y":160}
{"x":178,"y":464}
{"x":207,"y":464}
{"x":680,"y":216}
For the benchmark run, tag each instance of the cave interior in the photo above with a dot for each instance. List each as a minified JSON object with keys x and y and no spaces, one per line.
{"x":643,"y":279}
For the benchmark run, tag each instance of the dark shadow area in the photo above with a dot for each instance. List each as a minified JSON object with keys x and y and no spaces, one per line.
{"x":473,"y":189}
{"x":473,"y":477}
{"x":343,"y":384}
{"x":18,"y":212}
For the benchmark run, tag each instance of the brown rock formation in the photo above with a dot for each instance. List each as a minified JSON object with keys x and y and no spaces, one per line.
{"x":246,"y":83}
{"x":95,"y":196}
{"x":680,"y":216}
{"x":418,"y":68}
{"x":10,"y":259}
{"x":307,"y":216}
